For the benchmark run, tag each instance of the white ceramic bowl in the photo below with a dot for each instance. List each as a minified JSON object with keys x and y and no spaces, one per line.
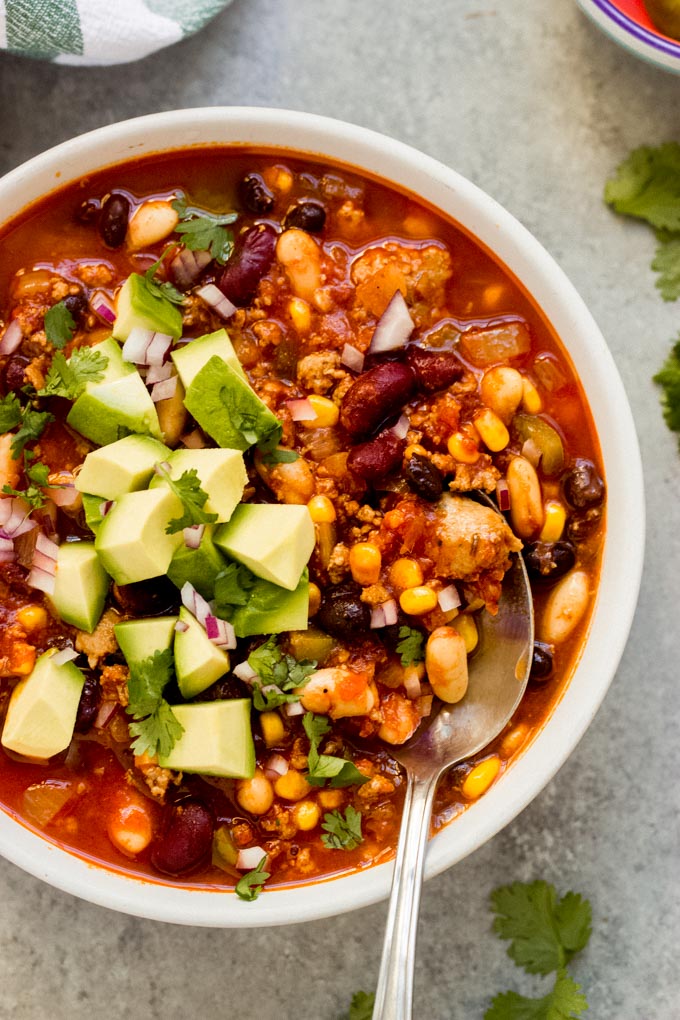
{"x":628,"y":23}
{"x":530,"y":263}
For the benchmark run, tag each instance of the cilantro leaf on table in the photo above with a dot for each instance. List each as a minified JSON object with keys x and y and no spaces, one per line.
{"x":361,"y":1007}
{"x":10,"y":412}
{"x":564,"y":1002}
{"x":647,"y":185}
{"x":33,"y":494}
{"x":342,"y":832}
{"x":69,"y":378}
{"x":666,"y":263}
{"x":155,"y":727}
{"x":59,"y":325}
{"x":161,"y":289}
{"x":410,"y":646}
{"x":193,"y":498}
{"x":278,"y":675}
{"x":544,"y":932}
{"x":250,"y":885}
{"x":669,"y":379}
{"x":204,"y":231}
{"x":32,"y":425}
{"x":321,"y":767}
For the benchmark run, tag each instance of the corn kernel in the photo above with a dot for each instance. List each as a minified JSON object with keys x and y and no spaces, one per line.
{"x":273,"y":729}
{"x":321,"y":509}
{"x":301,"y":314}
{"x":292,"y":785}
{"x":463,"y":448}
{"x":419,"y":600}
{"x":327,"y":413}
{"x":406,"y":573}
{"x":365,"y":562}
{"x":22,"y":658}
{"x":330,"y":799}
{"x":306,"y":815}
{"x":479,"y":779}
{"x":514,"y":738}
{"x":32,"y":618}
{"x":554,"y":521}
{"x":414,"y":448}
{"x":494,"y":434}
{"x":467,"y":628}
{"x":531,"y":398}
{"x":314,"y":598}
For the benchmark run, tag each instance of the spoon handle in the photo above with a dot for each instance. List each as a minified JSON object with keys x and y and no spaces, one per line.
{"x":394,"y":995}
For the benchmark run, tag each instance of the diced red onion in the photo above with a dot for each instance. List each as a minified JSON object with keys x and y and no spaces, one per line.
{"x":157,"y":373}
{"x":531,"y":451}
{"x":400,"y":430}
{"x":193,"y":535}
{"x":503,"y":495}
{"x":43,"y":562}
{"x":106,"y":710}
{"x":377,"y":618}
{"x":275,"y":766}
{"x":106,"y":506}
{"x":63,"y":495}
{"x":195,"y":603}
{"x":157,"y":350}
{"x":102,"y":306}
{"x":14,"y":517}
{"x":47,"y":547}
{"x":181,"y":627}
{"x":391,"y":611}
{"x":244,"y":671}
{"x":187,"y":266}
{"x":250,"y":858}
{"x":7,"y":554}
{"x":448,"y":598}
{"x":41,"y":580}
{"x":164,"y":390}
{"x":193,"y":440}
{"x":214,"y":297}
{"x":412,"y":683}
{"x":220,"y":632}
{"x":12,"y":338}
{"x":137,"y":344}
{"x":352,"y":358}
{"x":301,"y":410}
{"x":64,"y":655}
{"x":294,"y":708}
{"x":162,"y":468}
{"x":425,"y":705}
{"x":395,"y":326}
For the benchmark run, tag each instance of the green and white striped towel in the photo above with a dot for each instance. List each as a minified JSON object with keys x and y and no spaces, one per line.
{"x":99,"y":31}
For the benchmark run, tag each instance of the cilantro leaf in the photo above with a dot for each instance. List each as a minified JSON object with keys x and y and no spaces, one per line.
{"x":250,"y":885}
{"x":564,"y":1002}
{"x":193,"y":498}
{"x":277,"y":455}
{"x":316,"y":727}
{"x":33,"y":493}
{"x":161,"y":289}
{"x":647,"y":185}
{"x":544,"y":933}
{"x":669,"y":379}
{"x":59,"y":325}
{"x":342,"y":832}
{"x":233,"y":586}
{"x":411,"y":646}
{"x":340,"y":771}
{"x":361,"y":1007}
{"x":32,"y":425}
{"x":666,"y":263}
{"x":155,"y":725}
{"x":69,"y":378}
{"x":204,"y":231}
{"x":158,"y":732}
{"x":10,"y":412}
{"x":278,"y":676}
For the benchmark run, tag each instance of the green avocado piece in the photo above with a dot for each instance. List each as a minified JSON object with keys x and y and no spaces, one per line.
{"x":141,"y":639}
{"x":190,"y":358}
{"x":131,"y":542}
{"x":81,"y":585}
{"x":271,"y":610}
{"x":92,"y":509}
{"x":42,"y":710}
{"x":123,"y":466}
{"x":198,"y":662}
{"x":138,"y":308}
{"x":199,"y":566}
{"x":274,"y":540}
{"x":222,"y":475}
{"x":217,"y":739}
{"x":107,"y":411}
{"x":228,"y":409}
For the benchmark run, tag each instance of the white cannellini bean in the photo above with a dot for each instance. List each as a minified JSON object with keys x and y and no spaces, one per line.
{"x":446,"y":664}
{"x":526,"y":502}
{"x":565,"y":607}
{"x":299,"y":254}
{"x":501,"y":389}
{"x":151,"y":222}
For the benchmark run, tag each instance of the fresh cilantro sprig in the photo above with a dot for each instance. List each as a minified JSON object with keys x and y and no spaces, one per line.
{"x":204,"y":231}
{"x":410,"y":647}
{"x":361,"y":1007}
{"x":161,"y":289}
{"x":69,"y":378}
{"x":544,"y":934}
{"x":250,"y":885}
{"x":59,"y":325}
{"x":155,"y":727}
{"x":33,"y":424}
{"x":193,"y":498}
{"x":669,"y":379}
{"x":33,"y":494}
{"x":339,"y":772}
{"x":278,"y":676}
{"x":10,"y":412}
{"x":342,"y":832}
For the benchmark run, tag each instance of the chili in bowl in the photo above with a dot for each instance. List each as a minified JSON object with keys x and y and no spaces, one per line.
{"x":247,"y":391}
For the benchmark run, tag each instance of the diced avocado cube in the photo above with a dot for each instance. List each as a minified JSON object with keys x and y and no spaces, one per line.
{"x":42,"y":710}
{"x":81,"y":585}
{"x":141,"y":639}
{"x":120,"y":467}
{"x":199,"y":566}
{"x":198,"y":662}
{"x":93,"y":514}
{"x":116,"y":367}
{"x":138,"y":308}
{"x":106,"y":412}
{"x":274,"y":540}
{"x":217,"y":739}
{"x":226,"y":407}
{"x":222,"y":475}
{"x":271,"y":610}
{"x":190,"y":358}
{"x":132,"y":543}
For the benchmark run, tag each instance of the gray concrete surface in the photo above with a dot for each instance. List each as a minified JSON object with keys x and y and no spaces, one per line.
{"x":532,"y":103}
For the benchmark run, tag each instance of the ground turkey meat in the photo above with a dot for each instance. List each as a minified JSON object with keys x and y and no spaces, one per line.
{"x":318,"y":373}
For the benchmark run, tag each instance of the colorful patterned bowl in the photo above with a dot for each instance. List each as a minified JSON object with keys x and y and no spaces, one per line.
{"x":629,"y":24}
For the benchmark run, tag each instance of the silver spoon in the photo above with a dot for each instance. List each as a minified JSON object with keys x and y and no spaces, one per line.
{"x":499,"y":672}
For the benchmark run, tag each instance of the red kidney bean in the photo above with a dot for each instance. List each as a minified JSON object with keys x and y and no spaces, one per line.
{"x":186,"y":840}
{"x":113,"y":221}
{"x":434,"y":370}
{"x":88,"y":706}
{"x":376,"y":458}
{"x":245,"y":269}
{"x":375,"y":395}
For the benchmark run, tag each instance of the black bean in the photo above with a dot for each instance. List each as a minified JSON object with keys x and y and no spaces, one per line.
{"x":247,"y":266}
{"x":155,"y":597}
{"x":424,"y":477}
{"x":88,"y":706}
{"x":77,"y":305}
{"x":88,"y":211}
{"x":226,"y":688}
{"x":581,"y":525}
{"x":546,"y":562}
{"x":308,"y":215}
{"x":15,"y":370}
{"x":583,"y":486}
{"x":187,"y":838}
{"x":541,"y":662}
{"x":254,"y":194}
{"x":113,"y":221}
{"x":342,"y":613}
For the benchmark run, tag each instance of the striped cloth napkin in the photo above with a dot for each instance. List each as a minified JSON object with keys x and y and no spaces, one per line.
{"x":99,"y":31}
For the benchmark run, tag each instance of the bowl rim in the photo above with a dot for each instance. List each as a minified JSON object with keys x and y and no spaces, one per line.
{"x":550,"y":289}
{"x":654,"y":46}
